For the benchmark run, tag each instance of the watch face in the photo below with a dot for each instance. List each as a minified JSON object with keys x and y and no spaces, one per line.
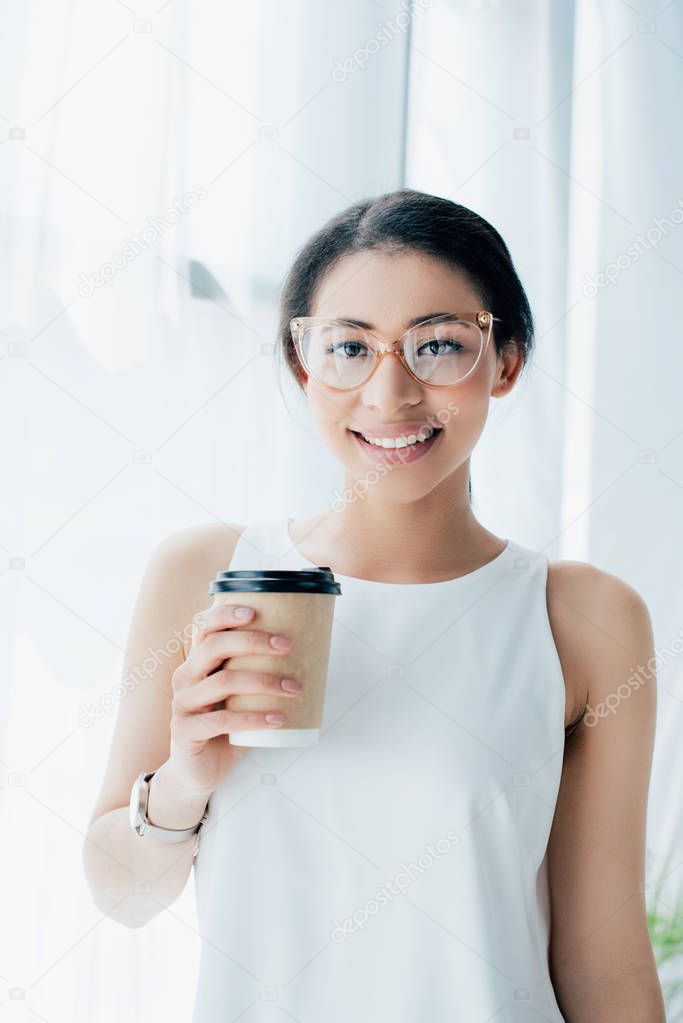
{"x":135,"y":807}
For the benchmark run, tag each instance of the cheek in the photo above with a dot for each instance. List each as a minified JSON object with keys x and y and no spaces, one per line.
{"x":464,"y":410}
{"x":330,"y":412}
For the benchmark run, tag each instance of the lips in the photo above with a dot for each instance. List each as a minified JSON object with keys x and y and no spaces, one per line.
{"x":393,"y":441}
{"x":396,"y":456}
{"x":399,"y":429}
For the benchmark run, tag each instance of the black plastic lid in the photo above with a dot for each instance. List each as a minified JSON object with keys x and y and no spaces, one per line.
{"x":319,"y":580}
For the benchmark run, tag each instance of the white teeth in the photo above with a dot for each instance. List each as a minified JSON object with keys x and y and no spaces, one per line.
{"x":400,"y":442}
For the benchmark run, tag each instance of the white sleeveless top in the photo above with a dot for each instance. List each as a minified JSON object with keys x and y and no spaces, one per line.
{"x":396,"y":870}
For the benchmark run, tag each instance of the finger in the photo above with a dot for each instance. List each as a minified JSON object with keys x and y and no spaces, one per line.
{"x":222,"y":616}
{"x":226,"y":682}
{"x":197,"y":727}
{"x":221,"y":645}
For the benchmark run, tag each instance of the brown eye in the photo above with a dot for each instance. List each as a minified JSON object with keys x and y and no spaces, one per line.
{"x":350,"y":349}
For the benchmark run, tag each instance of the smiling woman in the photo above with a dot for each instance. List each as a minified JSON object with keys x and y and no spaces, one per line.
{"x":459,"y":662}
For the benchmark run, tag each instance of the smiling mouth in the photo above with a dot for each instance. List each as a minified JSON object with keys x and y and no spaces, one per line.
{"x":402,"y":441}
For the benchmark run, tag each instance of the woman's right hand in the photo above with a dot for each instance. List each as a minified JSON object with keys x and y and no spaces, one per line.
{"x":201,"y":752}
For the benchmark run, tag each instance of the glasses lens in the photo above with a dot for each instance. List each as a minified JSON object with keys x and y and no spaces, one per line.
{"x":443,"y":353}
{"x":337,"y":354}
{"x":440,"y":353}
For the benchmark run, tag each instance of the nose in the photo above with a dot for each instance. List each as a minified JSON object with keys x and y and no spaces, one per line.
{"x":391,"y":385}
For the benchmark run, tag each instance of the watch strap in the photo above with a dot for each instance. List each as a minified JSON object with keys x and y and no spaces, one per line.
{"x":171,"y":835}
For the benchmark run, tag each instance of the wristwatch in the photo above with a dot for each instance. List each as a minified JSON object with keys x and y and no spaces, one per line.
{"x":140,"y":822}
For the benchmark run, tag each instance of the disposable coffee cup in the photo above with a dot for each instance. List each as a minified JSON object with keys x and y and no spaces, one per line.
{"x":298,"y":604}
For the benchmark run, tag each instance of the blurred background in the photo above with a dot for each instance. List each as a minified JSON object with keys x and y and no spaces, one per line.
{"x":160,"y":164}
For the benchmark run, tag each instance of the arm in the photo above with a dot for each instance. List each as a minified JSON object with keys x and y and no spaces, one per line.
{"x":601,"y":959}
{"x":116,"y":860}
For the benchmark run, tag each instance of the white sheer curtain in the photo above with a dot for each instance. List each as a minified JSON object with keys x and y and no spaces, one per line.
{"x":209,"y":141}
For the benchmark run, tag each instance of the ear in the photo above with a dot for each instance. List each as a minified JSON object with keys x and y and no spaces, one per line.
{"x":509,"y":363}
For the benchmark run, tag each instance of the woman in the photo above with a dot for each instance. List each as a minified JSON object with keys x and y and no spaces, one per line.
{"x":467,"y":839}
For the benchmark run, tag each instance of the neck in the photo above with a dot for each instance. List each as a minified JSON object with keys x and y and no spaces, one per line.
{"x":436,"y":535}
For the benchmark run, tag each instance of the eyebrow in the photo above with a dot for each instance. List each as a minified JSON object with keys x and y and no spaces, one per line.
{"x":409,"y":324}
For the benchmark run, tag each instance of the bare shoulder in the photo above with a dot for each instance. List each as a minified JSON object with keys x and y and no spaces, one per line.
{"x":195,"y":548}
{"x":185,"y":561}
{"x":592,"y":613}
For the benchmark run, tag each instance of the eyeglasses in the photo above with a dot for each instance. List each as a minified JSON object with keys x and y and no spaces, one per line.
{"x":437,"y":352}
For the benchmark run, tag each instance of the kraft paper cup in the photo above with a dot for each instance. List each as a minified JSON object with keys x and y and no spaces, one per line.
{"x":300,"y":605}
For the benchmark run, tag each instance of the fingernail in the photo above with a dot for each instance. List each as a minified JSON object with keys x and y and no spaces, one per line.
{"x":275,"y":719}
{"x":280,"y":642}
{"x":291,"y":685}
{"x":243,"y":612}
